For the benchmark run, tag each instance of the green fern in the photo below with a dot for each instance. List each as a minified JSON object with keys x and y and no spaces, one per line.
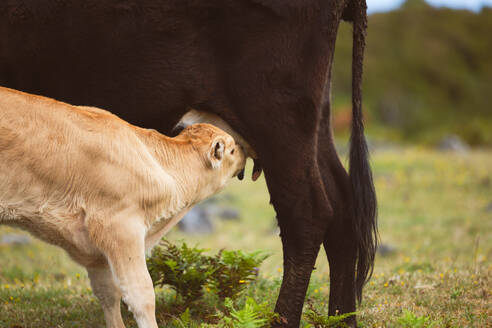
{"x":187,"y":270}
{"x":251,"y":315}
{"x":184,"y":268}
{"x":410,"y":320}
{"x":317,"y":320}
{"x":233,"y":271}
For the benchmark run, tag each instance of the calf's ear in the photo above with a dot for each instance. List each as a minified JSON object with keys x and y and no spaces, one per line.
{"x":216,"y":152}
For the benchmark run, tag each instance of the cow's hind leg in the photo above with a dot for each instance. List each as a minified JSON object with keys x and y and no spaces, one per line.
{"x":340,"y":240}
{"x":340,"y":247}
{"x":108,"y":294}
{"x":342,"y":243}
{"x":352,"y":239}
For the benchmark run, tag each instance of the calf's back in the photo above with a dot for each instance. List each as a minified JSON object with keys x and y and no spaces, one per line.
{"x":60,"y":164}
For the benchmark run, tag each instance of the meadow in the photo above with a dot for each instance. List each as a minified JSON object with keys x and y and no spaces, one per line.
{"x":434,"y":270}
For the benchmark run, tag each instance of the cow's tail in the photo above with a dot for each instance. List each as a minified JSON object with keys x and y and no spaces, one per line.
{"x":363,"y":193}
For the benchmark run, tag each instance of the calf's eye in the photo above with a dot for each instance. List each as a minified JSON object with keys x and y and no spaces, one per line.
{"x":232,"y":151}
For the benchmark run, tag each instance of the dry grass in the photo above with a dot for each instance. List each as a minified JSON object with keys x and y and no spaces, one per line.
{"x":435,"y":213}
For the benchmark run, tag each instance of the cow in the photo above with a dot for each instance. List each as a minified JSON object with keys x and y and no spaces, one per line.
{"x":104,"y":190}
{"x":263,"y":66}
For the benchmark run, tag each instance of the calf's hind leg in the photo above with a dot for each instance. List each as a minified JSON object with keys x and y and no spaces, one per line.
{"x":108,"y":294}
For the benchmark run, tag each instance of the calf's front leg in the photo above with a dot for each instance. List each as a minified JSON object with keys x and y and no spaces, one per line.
{"x":123,"y":244}
{"x":108,"y":294}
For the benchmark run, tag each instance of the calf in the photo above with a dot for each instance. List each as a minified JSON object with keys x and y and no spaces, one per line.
{"x":105,"y":190}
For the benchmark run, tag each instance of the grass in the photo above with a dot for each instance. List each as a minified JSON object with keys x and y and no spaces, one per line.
{"x":435,"y":213}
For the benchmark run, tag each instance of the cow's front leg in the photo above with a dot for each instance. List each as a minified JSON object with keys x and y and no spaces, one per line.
{"x":122,"y":241}
{"x":302,"y":208}
{"x":108,"y":294}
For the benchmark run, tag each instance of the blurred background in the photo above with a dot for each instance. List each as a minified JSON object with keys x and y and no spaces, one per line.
{"x":427,"y":74}
{"x":427,"y":89}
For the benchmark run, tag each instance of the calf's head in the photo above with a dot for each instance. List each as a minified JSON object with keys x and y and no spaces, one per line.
{"x":194,"y":116}
{"x":221,"y":158}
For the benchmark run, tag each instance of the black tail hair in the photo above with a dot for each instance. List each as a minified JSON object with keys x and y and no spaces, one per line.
{"x":363,"y":192}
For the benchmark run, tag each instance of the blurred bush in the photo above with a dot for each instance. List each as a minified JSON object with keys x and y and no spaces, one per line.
{"x":428,"y":73}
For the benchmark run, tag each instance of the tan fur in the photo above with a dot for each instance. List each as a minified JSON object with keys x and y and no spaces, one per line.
{"x":104,"y":190}
{"x":194,"y":116}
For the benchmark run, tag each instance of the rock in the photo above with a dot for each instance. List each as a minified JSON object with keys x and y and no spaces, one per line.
{"x":228,"y":197}
{"x":274,"y":228}
{"x":59,"y":276}
{"x":342,"y":148}
{"x":394,"y":280}
{"x":211,"y":200}
{"x":419,"y":285}
{"x":385,"y":249}
{"x":488,"y":208}
{"x":229,"y":213}
{"x":453,"y":143}
{"x":196,"y":221}
{"x":15,"y":240}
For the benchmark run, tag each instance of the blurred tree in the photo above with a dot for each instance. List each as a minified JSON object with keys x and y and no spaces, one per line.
{"x":412,"y":4}
{"x":428,"y":72}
